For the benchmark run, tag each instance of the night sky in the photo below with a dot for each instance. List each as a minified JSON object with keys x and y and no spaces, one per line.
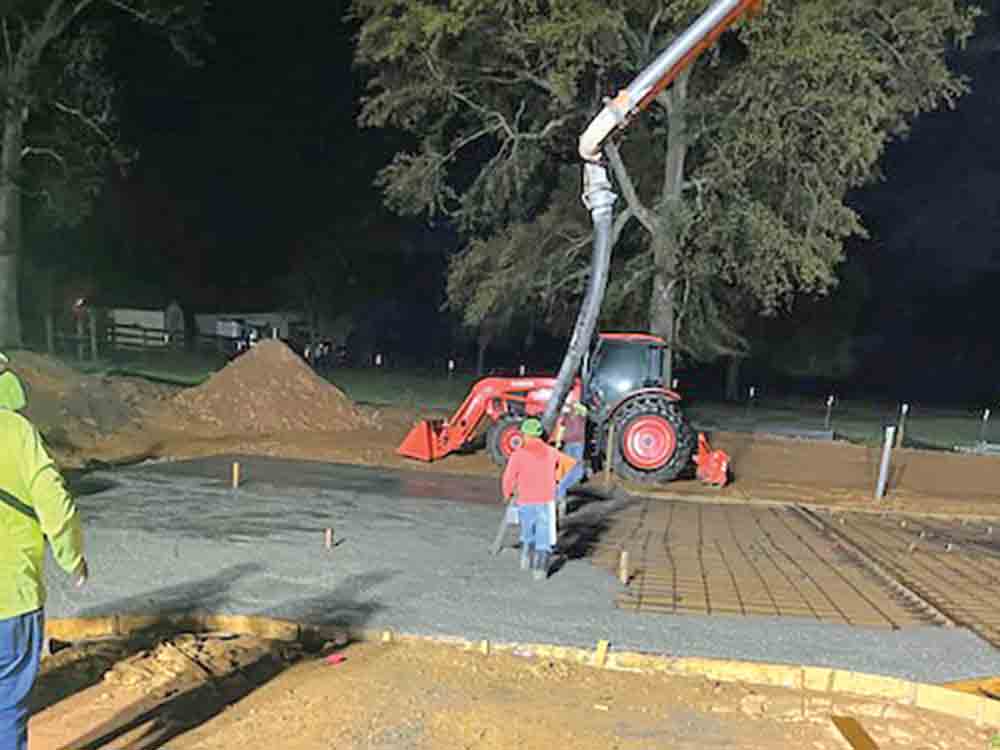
{"x":252,"y":161}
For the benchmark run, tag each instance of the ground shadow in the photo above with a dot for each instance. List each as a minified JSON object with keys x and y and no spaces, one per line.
{"x":179,"y":707}
{"x":584,"y":526}
{"x":78,"y":669}
{"x":73,"y":676}
{"x":203,"y":595}
{"x":82,"y":484}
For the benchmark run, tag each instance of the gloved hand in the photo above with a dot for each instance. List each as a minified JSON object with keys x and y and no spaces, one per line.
{"x":81,"y":574}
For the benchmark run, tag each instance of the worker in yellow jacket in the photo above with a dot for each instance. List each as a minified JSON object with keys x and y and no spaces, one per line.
{"x":11,"y":391}
{"x":34,"y":506}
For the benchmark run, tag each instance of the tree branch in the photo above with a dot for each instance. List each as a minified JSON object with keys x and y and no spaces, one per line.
{"x":643,"y":214}
{"x":650,"y":30}
{"x":88,"y":121}
{"x":44,"y":151}
{"x":621,"y":221}
{"x":465,"y":141}
{"x":8,"y":50}
{"x":131,"y":10}
{"x":52,"y":27}
{"x":506,"y":77}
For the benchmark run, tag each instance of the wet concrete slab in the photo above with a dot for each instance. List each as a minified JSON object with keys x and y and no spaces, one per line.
{"x":278,"y":472}
{"x":411,"y":553}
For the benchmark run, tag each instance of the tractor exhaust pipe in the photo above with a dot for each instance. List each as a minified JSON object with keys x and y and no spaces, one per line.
{"x":600,"y":199}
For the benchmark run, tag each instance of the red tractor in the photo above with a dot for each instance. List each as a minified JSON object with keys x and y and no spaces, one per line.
{"x":622,"y":385}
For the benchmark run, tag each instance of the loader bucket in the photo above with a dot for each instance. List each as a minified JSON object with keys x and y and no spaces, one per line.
{"x":422,"y":441}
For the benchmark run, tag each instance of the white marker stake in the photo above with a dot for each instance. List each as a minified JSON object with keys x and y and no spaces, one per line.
{"x":830,"y":400}
{"x":675,"y":383}
{"x":750,"y":399}
{"x":521,"y":370}
{"x":451,"y":367}
{"x":378,"y":360}
{"x":904,"y":411}
{"x":983,"y":426}
{"x":883,"y":469}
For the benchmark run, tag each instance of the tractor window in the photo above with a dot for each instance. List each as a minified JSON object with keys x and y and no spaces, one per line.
{"x":620,"y":367}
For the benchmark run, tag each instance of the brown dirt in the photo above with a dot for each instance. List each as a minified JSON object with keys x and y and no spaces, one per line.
{"x":267,"y":390}
{"x":75,"y":411}
{"x":268,"y":402}
{"x":208,"y":692}
{"x":844,"y":475}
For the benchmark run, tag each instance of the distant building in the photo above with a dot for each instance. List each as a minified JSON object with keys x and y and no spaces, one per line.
{"x":130,"y":327}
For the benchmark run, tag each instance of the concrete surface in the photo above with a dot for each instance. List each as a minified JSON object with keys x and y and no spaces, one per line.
{"x":173,"y":537}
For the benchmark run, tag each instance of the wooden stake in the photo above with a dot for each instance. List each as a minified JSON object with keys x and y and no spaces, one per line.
{"x":236,"y":475}
{"x":854,"y":733}
{"x":329,"y":538}
{"x":611,"y":452}
{"x":601,"y":655}
{"x":623,"y":573}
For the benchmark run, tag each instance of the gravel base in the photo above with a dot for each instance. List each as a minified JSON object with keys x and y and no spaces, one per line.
{"x":162,"y":539}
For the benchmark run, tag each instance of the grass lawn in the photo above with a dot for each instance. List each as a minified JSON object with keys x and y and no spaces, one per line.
{"x":857,"y":421}
{"x":386,"y":387}
{"x":173,"y":367}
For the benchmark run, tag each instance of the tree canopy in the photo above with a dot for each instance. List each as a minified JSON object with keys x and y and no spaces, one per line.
{"x":733,"y":183}
{"x":57,"y":99}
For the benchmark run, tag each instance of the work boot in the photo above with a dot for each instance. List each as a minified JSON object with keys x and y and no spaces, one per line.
{"x":540,"y":570}
{"x":527,"y":556}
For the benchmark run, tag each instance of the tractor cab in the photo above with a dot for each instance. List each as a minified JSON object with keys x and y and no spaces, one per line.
{"x":619,"y":365}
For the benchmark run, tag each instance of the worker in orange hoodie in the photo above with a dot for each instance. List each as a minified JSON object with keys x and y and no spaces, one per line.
{"x":531,"y":477}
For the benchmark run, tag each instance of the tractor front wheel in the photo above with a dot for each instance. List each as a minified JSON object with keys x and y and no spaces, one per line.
{"x":653,"y":440}
{"x":503,"y":438}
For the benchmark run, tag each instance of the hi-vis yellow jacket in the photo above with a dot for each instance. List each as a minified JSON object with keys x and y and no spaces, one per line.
{"x":34,"y":505}
{"x":11,"y":392}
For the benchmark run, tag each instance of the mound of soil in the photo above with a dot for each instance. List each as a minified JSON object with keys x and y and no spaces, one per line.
{"x":268,"y":390}
{"x":72,"y":409}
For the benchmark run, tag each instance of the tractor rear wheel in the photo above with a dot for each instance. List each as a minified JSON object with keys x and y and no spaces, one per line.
{"x":653,"y":440}
{"x":503,"y":438}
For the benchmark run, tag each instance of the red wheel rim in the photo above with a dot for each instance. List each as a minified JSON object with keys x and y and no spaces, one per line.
{"x":649,"y":442}
{"x":510,"y":439}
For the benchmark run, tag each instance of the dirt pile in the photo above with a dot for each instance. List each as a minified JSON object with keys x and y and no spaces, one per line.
{"x":73,"y":409}
{"x":265,"y":391}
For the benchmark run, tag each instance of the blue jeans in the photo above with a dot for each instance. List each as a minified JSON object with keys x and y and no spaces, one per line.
{"x":574,"y":475}
{"x":20,"y":653}
{"x":536,"y":526}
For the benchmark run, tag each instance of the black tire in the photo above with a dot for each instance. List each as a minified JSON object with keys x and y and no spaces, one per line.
{"x":666,"y":415}
{"x":498,"y":436}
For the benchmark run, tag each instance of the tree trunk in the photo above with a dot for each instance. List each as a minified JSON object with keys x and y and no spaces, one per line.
{"x":10,"y":227}
{"x":662,"y":309}
{"x":733,"y":378}
{"x":666,"y":250}
{"x":482,"y":344}
{"x":529,"y":337}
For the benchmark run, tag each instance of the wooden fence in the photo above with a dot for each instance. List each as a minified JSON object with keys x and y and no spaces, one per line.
{"x":86,"y":338}
{"x":142,"y":338}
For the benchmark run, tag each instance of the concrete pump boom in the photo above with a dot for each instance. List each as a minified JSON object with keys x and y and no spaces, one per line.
{"x":597,"y":194}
